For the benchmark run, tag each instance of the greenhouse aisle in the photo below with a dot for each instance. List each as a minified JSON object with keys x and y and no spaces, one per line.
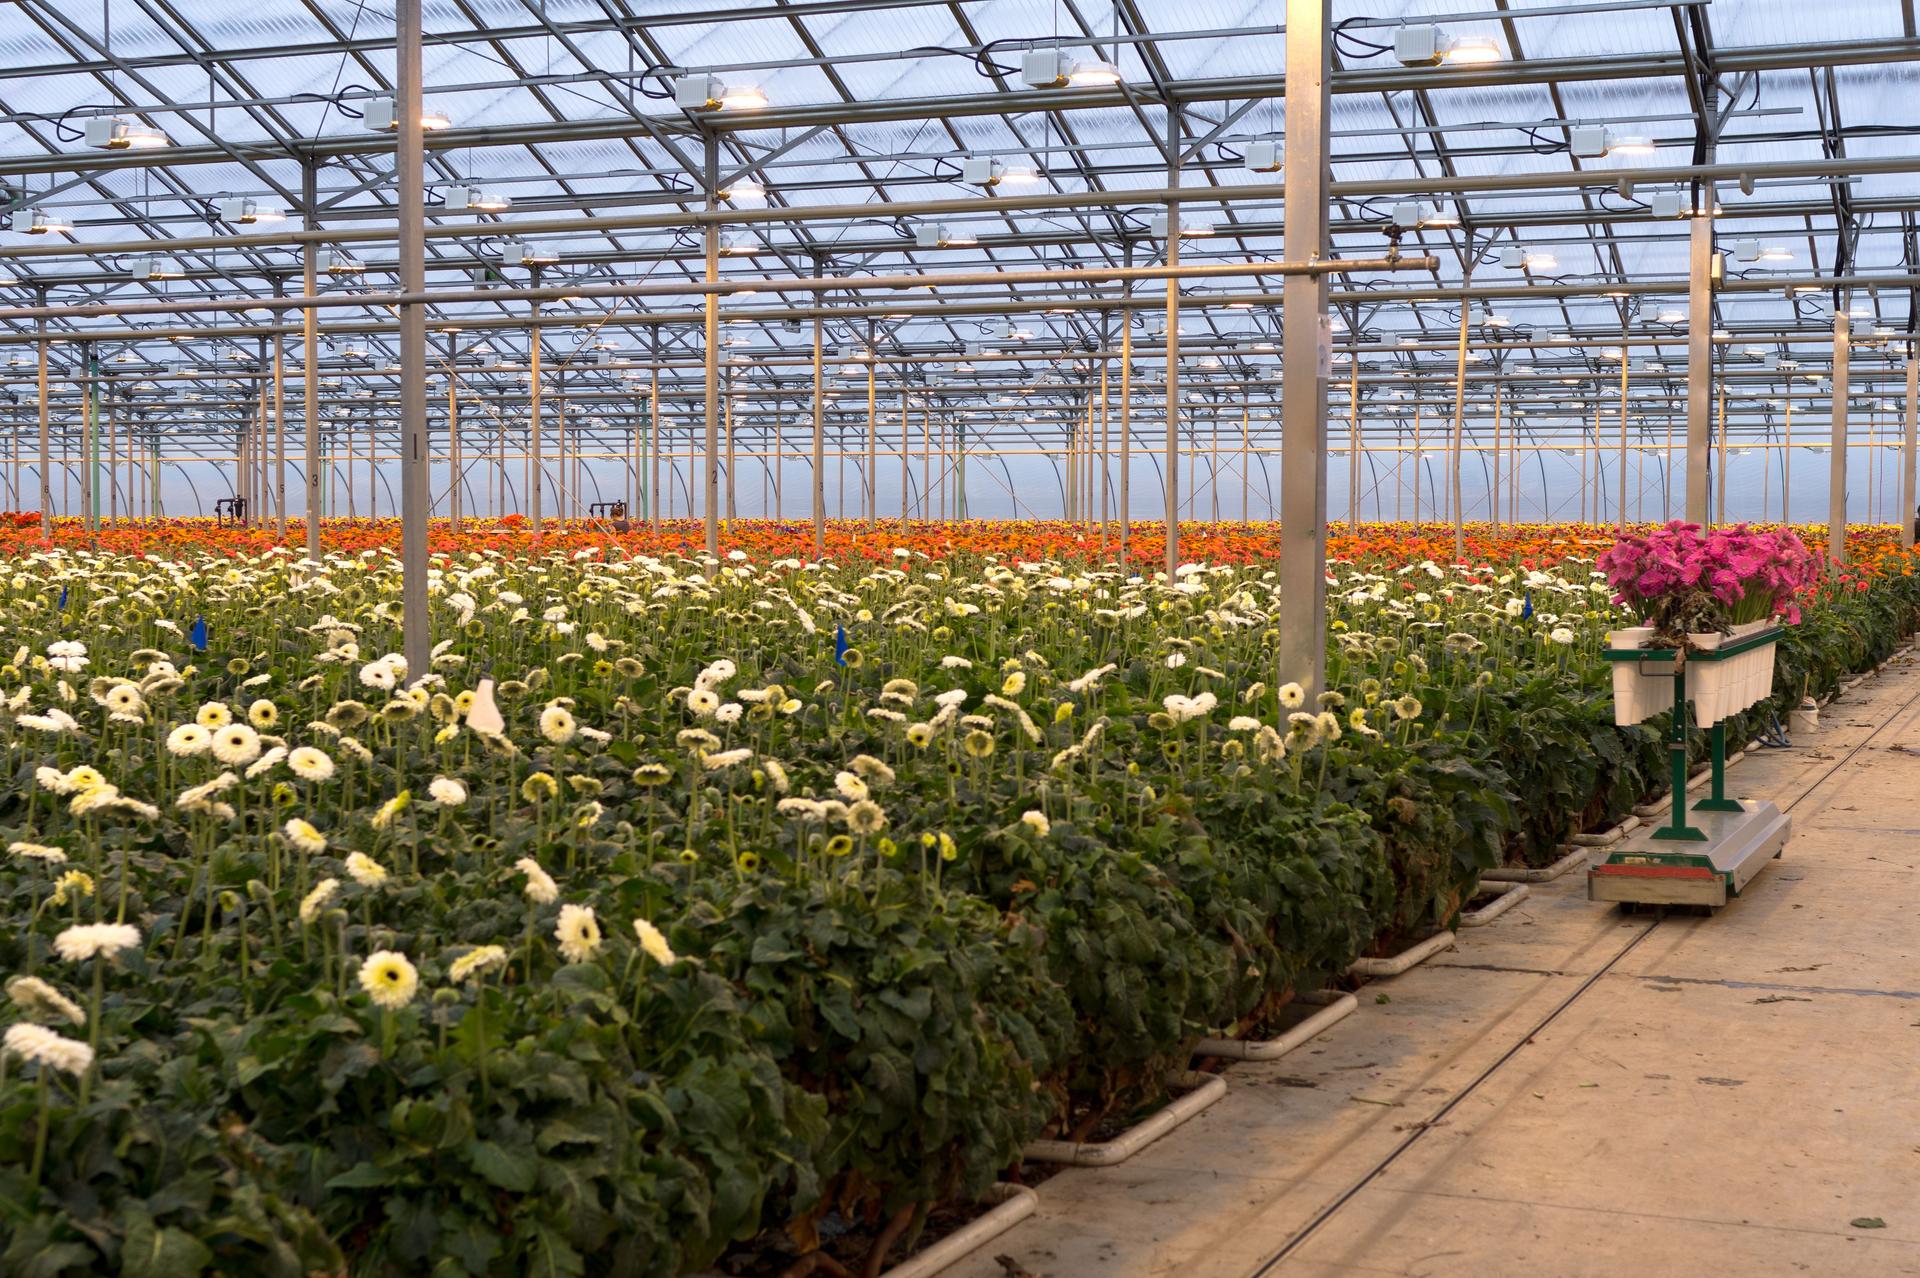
{"x":1577,"y":1092}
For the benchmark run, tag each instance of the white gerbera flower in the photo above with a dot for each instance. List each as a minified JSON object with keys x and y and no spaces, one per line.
{"x":47,"y":1049}
{"x":69,"y":655}
{"x":389,"y":979}
{"x":236,"y":744}
{"x":95,"y":940}
{"x":35,"y":997}
{"x":578,"y":933}
{"x":310,"y":764}
{"x":315,"y":901}
{"x":557,"y":725}
{"x":213,"y":715}
{"x":266,"y":762}
{"x":540,"y":889}
{"x":653,"y":942}
{"x":366,"y":871}
{"x":1036,"y":820}
{"x":476,"y":963}
{"x":304,"y":837}
{"x":447,"y":792}
{"x":188,"y":739}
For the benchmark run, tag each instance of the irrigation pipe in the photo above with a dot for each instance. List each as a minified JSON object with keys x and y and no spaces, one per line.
{"x":1405,"y":960}
{"x":1495,"y":908}
{"x":1337,"y":1007}
{"x":1539,"y":874}
{"x":1017,"y":1202}
{"x":1207,"y":1088}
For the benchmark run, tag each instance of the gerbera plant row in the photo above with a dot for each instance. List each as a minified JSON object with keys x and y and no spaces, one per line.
{"x":762,"y":896}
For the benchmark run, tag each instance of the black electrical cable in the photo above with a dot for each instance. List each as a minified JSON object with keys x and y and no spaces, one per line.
{"x":982,"y":58}
{"x":660,"y":71}
{"x":336,"y":99}
{"x":1352,"y":46}
{"x":1543,"y":146}
{"x":1635,"y":202}
{"x":64,"y":131}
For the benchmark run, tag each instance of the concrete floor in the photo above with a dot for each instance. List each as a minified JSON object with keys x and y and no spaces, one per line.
{"x":1574,"y":1091}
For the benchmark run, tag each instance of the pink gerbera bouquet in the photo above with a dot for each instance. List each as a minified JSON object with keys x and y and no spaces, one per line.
{"x":1681,"y":580}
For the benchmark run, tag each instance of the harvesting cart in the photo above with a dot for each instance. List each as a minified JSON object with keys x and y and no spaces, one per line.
{"x":1707,"y":852}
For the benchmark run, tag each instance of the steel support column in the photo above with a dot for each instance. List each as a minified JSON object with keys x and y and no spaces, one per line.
{"x":310,"y":356}
{"x":1837,"y":474}
{"x":1306,"y":354}
{"x":710,"y":174}
{"x":279,"y":437}
{"x":453,"y":430}
{"x":1455,"y":452}
{"x":536,"y":473}
{"x":819,"y":484}
{"x":1172,"y":462}
{"x":409,"y":166}
{"x":1908,"y":510}
{"x":1699,"y":361}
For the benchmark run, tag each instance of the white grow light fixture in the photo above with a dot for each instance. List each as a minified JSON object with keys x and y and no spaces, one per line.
{"x":1430,"y":46}
{"x":1666,"y":204}
{"x":381,"y":117}
{"x":117,"y":133}
{"x":244,"y":210}
{"x":1158,"y":223}
{"x":1408,"y":214}
{"x":151,"y":267}
{"x":941,"y":235}
{"x":1264,"y":157}
{"x":521,"y":253}
{"x":37,"y":221}
{"x":1045,"y":69}
{"x":1057,"y":69}
{"x":473,"y":199}
{"x":709,"y":93}
{"x":338,"y":263}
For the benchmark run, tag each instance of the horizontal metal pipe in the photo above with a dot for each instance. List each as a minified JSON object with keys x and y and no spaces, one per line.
{"x":935,"y":310}
{"x":1368,"y":80}
{"x":985,"y":202}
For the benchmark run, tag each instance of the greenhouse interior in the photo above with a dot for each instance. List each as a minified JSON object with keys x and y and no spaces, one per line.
{"x":985,"y":638}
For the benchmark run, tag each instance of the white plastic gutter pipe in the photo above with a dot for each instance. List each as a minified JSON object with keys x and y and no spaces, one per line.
{"x":1404,"y":960}
{"x":1208,"y":1088}
{"x":1540,"y":874}
{"x":1337,"y":1007}
{"x":1017,"y":1202}
{"x":1496,"y":907}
